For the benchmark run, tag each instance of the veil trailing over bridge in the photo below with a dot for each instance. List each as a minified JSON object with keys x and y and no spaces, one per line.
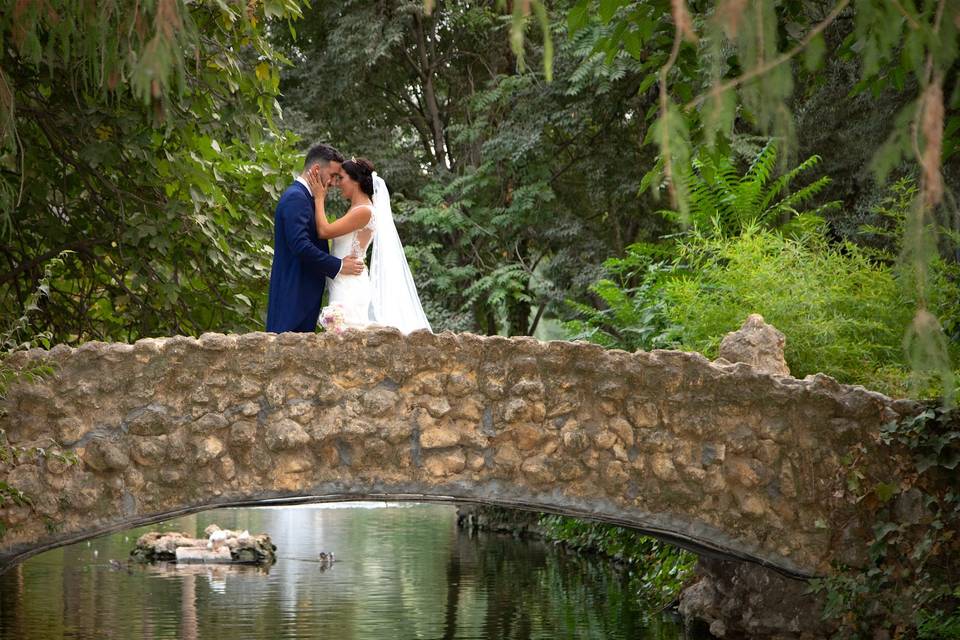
{"x":394,"y":301}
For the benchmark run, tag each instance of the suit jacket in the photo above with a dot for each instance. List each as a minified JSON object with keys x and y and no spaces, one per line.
{"x":301,"y":261}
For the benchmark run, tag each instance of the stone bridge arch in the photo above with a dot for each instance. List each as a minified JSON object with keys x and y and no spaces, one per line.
{"x":719,"y":457}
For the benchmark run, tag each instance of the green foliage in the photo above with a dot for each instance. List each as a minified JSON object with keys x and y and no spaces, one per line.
{"x":908,"y":585}
{"x":843,"y":313}
{"x":12,"y":495}
{"x":741,"y":67}
{"x":722,"y":200}
{"x":731,"y":65}
{"x":659,"y":570}
{"x":632,"y":314}
{"x":18,"y":337}
{"x":844,"y":308}
{"x":137,"y":137}
{"x":927,"y":346}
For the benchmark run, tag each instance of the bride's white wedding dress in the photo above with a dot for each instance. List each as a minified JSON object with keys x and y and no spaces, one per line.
{"x":384,"y":295}
{"x":352,"y":293}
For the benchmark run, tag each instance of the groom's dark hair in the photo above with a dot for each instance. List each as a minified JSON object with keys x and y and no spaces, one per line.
{"x":321,"y":153}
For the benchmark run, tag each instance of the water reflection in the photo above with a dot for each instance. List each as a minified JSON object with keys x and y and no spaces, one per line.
{"x":402,"y":571}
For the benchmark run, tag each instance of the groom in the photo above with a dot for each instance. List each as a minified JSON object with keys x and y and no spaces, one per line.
{"x":301,"y":260}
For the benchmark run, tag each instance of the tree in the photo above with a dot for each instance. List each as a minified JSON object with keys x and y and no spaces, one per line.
{"x":136,"y":138}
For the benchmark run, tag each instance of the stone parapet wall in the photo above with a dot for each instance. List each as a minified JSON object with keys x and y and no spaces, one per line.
{"x":717,"y":456}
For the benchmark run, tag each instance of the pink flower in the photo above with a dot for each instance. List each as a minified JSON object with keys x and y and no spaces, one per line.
{"x":332,"y":318}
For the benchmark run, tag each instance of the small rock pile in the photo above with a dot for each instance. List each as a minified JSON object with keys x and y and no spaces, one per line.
{"x":244,"y":548}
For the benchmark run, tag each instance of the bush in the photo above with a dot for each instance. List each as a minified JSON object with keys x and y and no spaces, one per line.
{"x":633,"y":314}
{"x":844,"y":312}
{"x":659,"y":570}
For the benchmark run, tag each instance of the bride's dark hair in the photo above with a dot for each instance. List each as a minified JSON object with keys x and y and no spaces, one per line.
{"x":361,"y":170}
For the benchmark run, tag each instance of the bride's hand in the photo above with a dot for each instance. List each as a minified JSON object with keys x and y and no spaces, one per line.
{"x":317,"y":188}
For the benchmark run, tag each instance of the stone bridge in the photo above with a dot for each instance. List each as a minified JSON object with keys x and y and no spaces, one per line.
{"x":719,"y":457}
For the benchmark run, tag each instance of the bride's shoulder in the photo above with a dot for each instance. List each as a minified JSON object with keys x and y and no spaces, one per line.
{"x":361,"y":211}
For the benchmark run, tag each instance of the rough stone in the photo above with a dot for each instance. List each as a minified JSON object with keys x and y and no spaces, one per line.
{"x":148,"y":451}
{"x":151,"y":420}
{"x":69,"y":430}
{"x":243,"y":433}
{"x":437,"y":407}
{"x":459,"y":385}
{"x":104,"y":455}
{"x":378,"y":401}
{"x":439,"y":437}
{"x":537,"y":469}
{"x":228,"y":469}
{"x":623,"y":429}
{"x":605,"y":439}
{"x":758,"y":344}
{"x":741,"y":472}
{"x":210,"y":422}
{"x":207,"y":449}
{"x":715,"y":455}
{"x":285,"y":434}
{"x":528,"y":436}
{"x":515,"y":410}
{"x":741,"y":599}
{"x":643,"y":415}
{"x":575,"y":440}
{"x":663,"y":468}
{"x":445,"y":464}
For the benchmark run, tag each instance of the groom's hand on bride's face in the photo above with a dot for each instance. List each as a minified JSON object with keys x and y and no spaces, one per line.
{"x":351,"y":266}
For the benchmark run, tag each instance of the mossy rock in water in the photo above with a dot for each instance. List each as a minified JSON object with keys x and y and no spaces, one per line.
{"x":157,"y":546}
{"x":244,"y":549}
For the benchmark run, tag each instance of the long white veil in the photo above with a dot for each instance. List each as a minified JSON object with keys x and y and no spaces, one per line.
{"x":394,"y":301}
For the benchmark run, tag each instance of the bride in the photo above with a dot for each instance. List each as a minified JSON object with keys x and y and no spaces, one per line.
{"x":385,"y":295}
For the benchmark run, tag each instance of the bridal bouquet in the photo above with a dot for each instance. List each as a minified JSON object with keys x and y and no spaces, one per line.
{"x":332,"y":318}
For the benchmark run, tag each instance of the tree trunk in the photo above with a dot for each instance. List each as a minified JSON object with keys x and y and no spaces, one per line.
{"x":430,"y":94}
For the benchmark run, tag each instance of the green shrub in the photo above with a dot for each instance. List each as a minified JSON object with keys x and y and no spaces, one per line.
{"x":856,"y":312}
{"x":658,"y":570}
{"x":843,"y":312}
{"x":633,"y":313}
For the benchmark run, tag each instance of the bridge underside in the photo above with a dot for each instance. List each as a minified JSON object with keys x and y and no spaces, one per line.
{"x":697,"y":537}
{"x":717,"y":457}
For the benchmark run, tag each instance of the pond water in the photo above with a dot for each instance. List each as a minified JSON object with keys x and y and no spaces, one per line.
{"x":402,"y":571}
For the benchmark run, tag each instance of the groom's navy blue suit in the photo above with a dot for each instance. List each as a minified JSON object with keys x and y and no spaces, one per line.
{"x":301,"y":260}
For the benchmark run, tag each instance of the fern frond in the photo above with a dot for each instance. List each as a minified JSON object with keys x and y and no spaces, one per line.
{"x":747,"y":200}
{"x":802,"y":195}
{"x":763,"y":165}
{"x":784,"y":180}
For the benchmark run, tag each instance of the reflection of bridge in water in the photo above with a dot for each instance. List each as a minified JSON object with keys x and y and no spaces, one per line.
{"x":717,"y":457}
